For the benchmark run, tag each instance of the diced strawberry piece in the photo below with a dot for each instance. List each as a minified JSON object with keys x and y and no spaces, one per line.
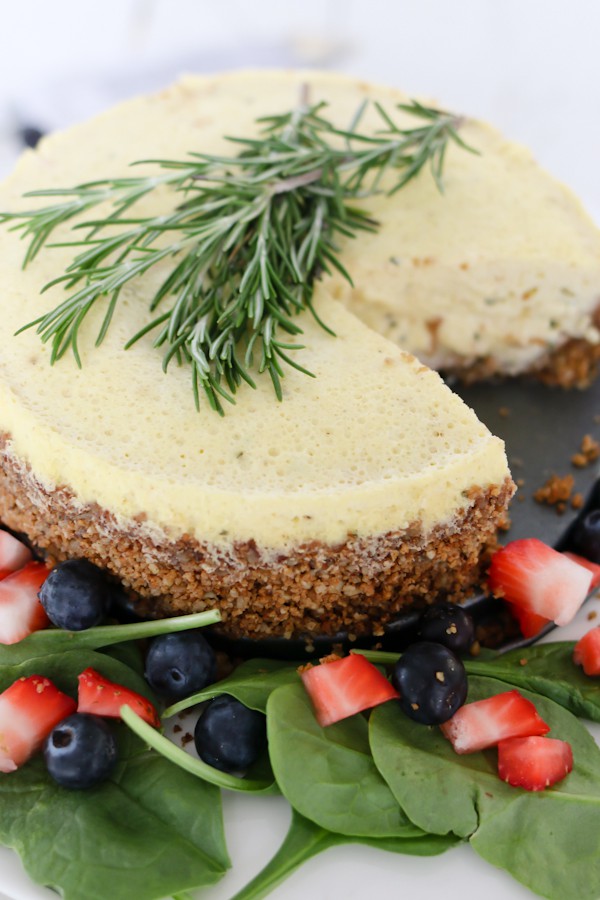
{"x":587,"y":564}
{"x":530,"y":623}
{"x":476,"y":726}
{"x":29,"y":710}
{"x":21,"y":612}
{"x":539,"y":579}
{"x":102,"y":697}
{"x":534,"y":763}
{"x":587,"y":652}
{"x":344,"y":687}
{"x":13,"y":554}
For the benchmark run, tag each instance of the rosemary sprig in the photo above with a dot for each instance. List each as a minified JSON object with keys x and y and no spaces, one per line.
{"x":242,"y":246}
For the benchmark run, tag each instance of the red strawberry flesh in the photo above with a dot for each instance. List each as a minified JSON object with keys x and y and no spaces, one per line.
{"x":345,"y":687}
{"x":102,"y":697}
{"x":534,"y":763}
{"x":530,"y":623}
{"x":29,"y":710}
{"x":21,"y":612}
{"x":476,"y":726}
{"x":587,"y":652}
{"x":540,"y":580}
{"x":13,"y":554}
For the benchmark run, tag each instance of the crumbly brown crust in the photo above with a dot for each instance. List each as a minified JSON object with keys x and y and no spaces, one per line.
{"x":355,"y":586}
{"x":573,"y":365}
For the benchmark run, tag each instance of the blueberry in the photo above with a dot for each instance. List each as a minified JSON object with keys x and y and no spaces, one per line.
{"x":123,"y":607}
{"x":431,"y":681}
{"x":75,"y":595}
{"x":180,"y":664}
{"x":80,"y":752}
{"x":586,"y":537}
{"x":228,"y":735}
{"x":30,"y":135}
{"x":448,"y":624}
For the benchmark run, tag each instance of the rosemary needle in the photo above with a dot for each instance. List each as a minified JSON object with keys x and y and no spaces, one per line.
{"x":245,"y":239}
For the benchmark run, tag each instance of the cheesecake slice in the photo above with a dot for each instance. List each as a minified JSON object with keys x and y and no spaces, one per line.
{"x":369,"y":488}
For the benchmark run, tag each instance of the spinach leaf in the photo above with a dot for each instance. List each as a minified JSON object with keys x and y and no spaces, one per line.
{"x":130,"y":654}
{"x":191,"y":764}
{"x":328,"y":774}
{"x":149,"y":833}
{"x":53,"y":640}
{"x":546,"y":669}
{"x":151,"y":830}
{"x":546,"y":840}
{"x":252,"y":684}
{"x":305,"y":840}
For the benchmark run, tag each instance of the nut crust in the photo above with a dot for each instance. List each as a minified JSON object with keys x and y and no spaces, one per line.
{"x":355,"y":586}
{"x":574,"y":364}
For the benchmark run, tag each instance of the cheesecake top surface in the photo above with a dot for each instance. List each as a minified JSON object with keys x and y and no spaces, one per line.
{"x":375,"y":443}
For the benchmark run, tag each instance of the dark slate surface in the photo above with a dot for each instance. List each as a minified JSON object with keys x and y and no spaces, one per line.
{"x":542,"y":429}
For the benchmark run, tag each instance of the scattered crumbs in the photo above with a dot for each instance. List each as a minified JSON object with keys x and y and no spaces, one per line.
{"x":185,"y":740}
{"x":523,"y":661}
{"x":592,"y":615}
{"x":521,"y":498}
{"x":588,"y":452}
{"x":556,"y":492}
{"x":475,"y":648}
{"x":331,"y":657}
{"x":440,"y":677}
{"x":520,"y":482}
{"x":414,"y":705}
{"x":177,"y":729}
{"x":395,"y":261}
{"x":452,"y":629}
{"x":504,"y":411}
{"x":516,"y":462}
{"x":378,"y":631}
{"x":351,"y":637}
{"x":577,"y":501}
{"x":239,"y":455}
{"x":309,"y":647}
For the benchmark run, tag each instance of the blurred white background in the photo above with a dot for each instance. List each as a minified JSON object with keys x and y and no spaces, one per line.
{"x":530,"y":66}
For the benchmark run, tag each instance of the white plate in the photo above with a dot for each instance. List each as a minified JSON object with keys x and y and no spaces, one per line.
{"x":256,"y":826}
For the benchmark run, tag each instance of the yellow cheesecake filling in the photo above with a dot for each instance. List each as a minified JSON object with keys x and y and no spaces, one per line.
{"x":374,"y":443}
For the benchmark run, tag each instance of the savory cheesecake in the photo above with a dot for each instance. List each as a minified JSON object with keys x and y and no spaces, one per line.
{"x":372,"y":486}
